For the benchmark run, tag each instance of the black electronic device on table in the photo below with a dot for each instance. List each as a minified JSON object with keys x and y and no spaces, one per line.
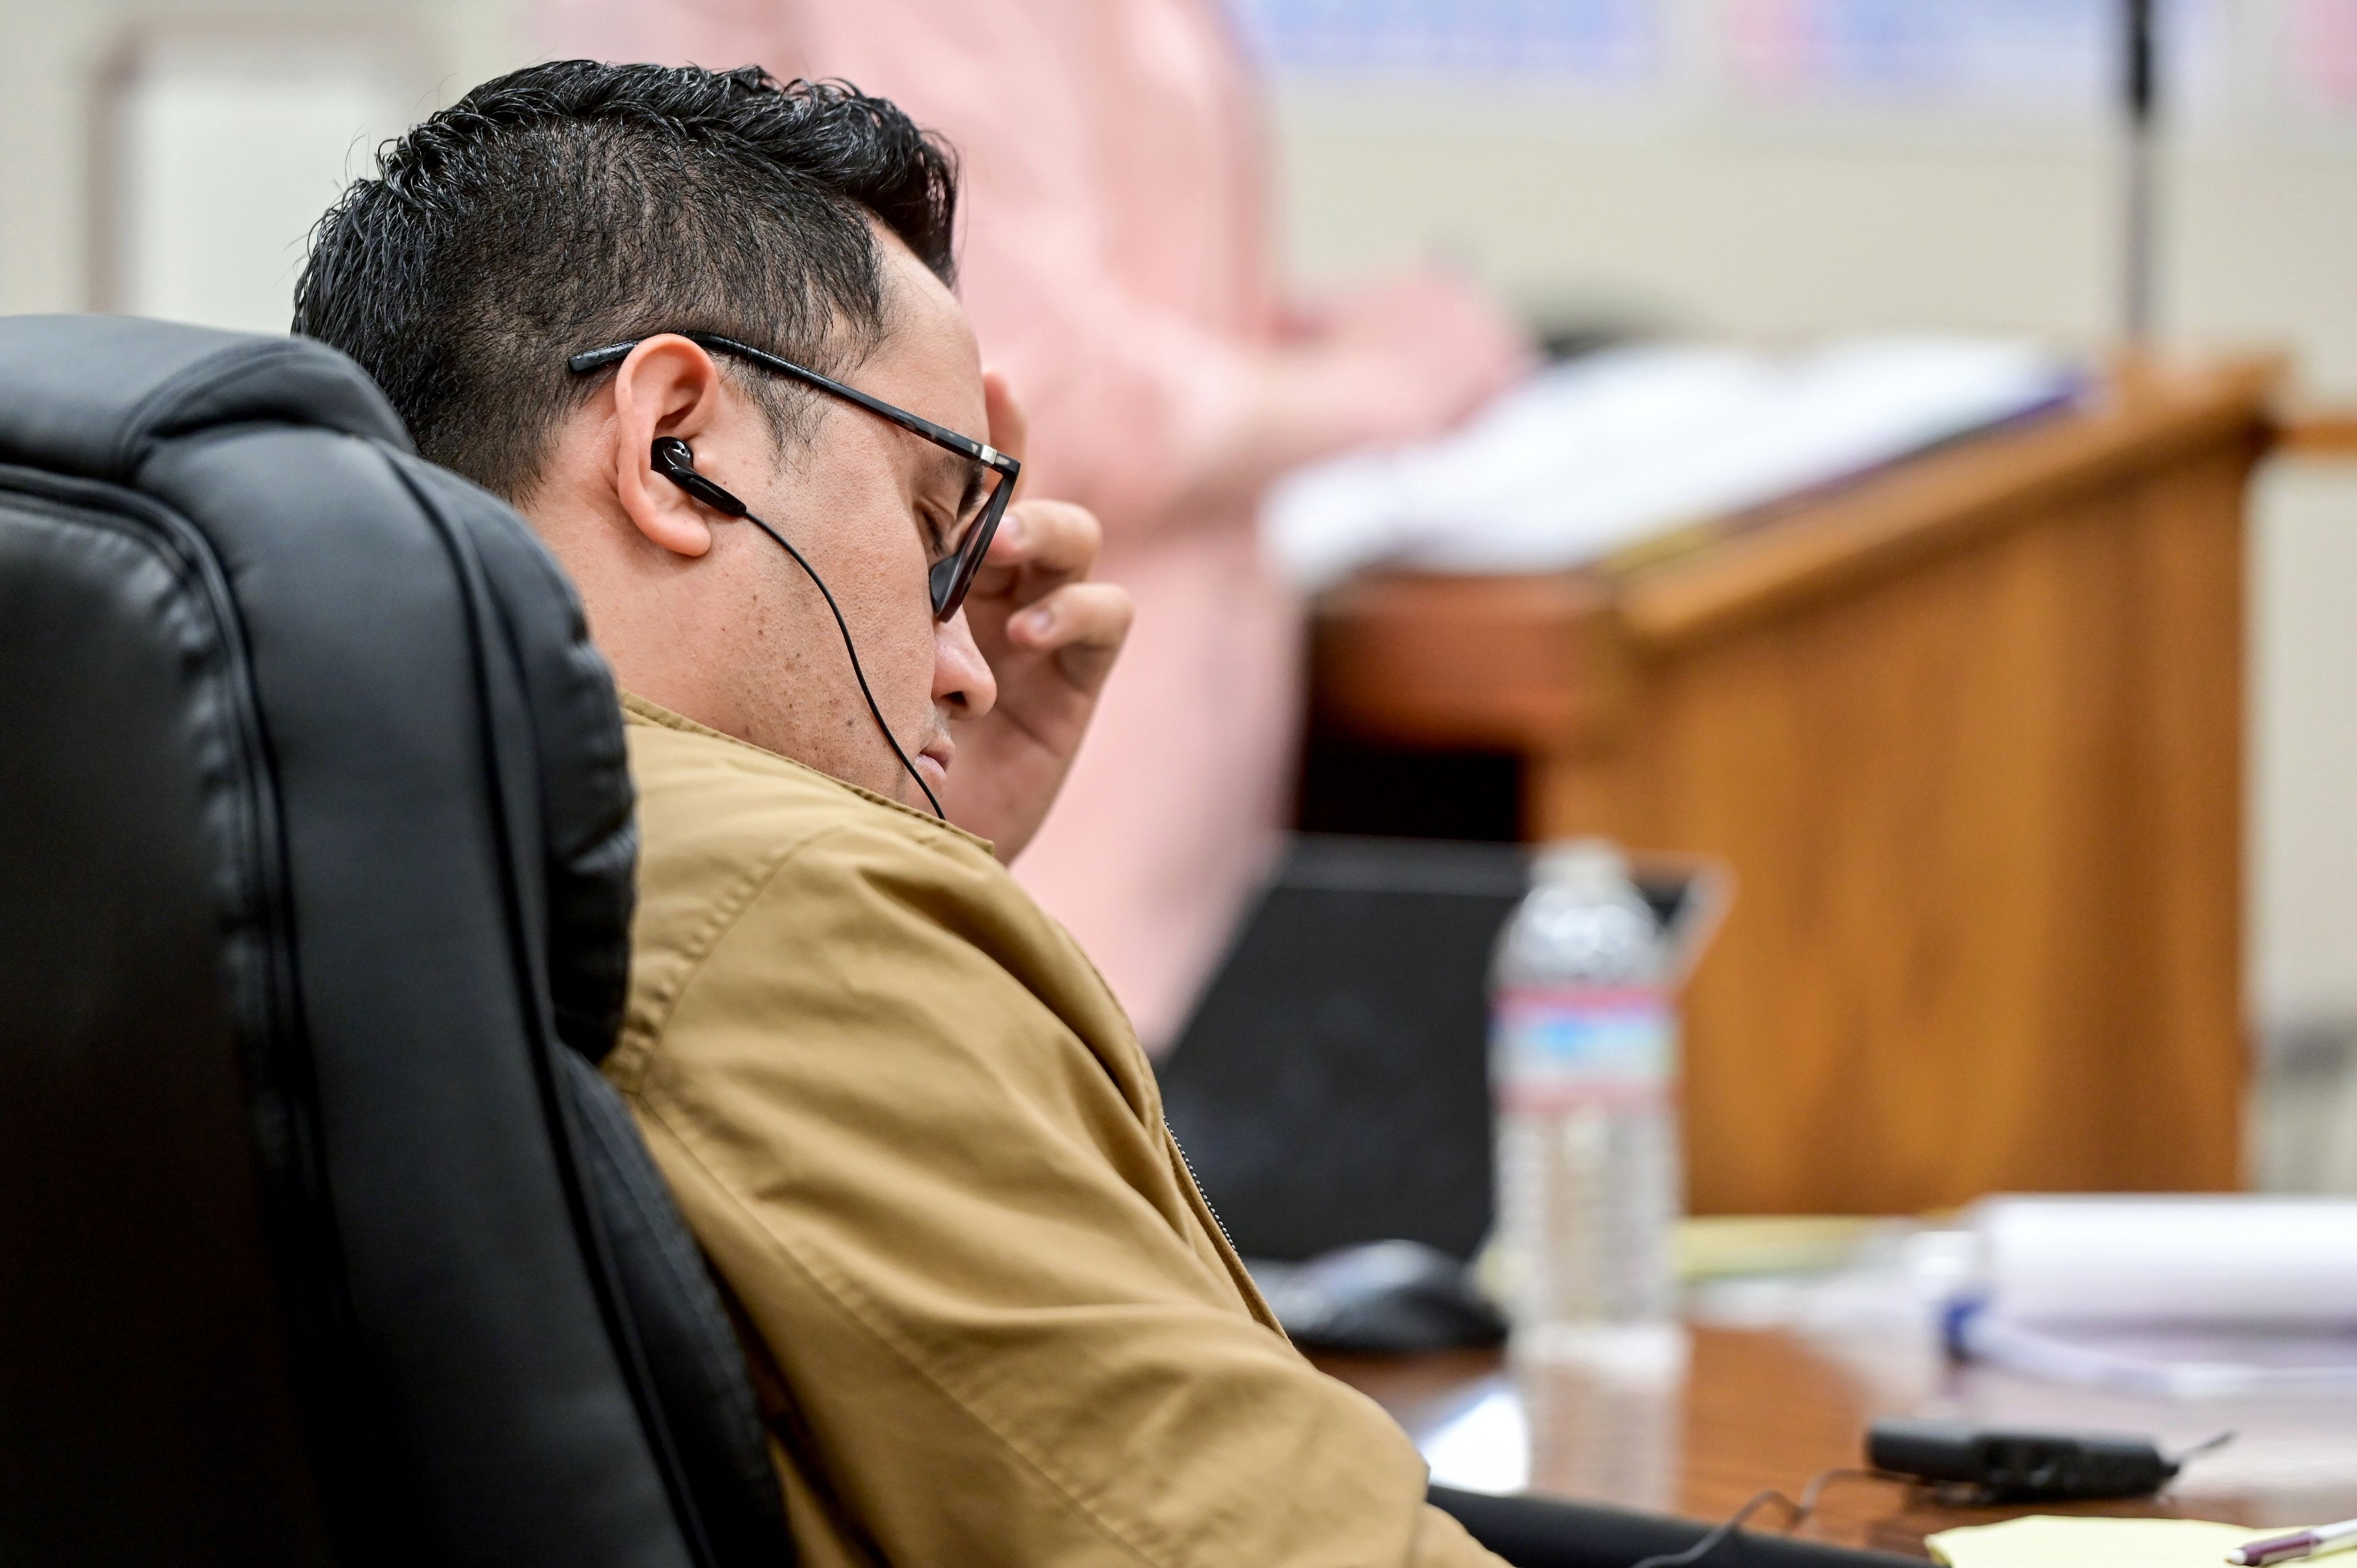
{"x":2002,"y":1465}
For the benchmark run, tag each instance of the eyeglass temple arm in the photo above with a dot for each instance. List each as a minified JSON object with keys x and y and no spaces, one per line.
{"x":989,"y":456}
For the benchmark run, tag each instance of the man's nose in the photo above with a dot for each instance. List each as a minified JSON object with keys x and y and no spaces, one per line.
{"x":962,"y":682}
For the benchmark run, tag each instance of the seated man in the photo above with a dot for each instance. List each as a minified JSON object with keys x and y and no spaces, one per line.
{"x":990,"y":1318}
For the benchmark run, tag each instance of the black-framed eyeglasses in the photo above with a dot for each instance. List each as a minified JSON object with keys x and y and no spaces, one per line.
{"x":990,"y":476}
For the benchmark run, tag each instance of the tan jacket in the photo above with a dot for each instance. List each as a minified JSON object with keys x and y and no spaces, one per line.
{"x":991,"y":1319}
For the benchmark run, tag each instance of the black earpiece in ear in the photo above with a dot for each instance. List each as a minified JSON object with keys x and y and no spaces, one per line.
{"x":675,"y":461}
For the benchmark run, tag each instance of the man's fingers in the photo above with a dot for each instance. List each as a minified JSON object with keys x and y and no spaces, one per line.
{"x":1095,"y":614}
{"x":1054,"y":537}
{"x":1010,"y":427}
{"x":1043,"y":544}
{"x":1084,"y":623}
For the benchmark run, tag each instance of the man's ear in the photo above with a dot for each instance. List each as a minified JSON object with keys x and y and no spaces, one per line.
{"x":668,"y":386}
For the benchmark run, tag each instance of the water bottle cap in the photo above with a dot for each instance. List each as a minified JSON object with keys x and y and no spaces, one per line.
{"x":1591,"y":861}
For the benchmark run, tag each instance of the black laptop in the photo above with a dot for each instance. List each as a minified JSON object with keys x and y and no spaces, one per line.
{"x":1331,"y":1087}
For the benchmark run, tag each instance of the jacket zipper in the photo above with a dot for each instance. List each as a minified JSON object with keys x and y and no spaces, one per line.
{"x":1203,"y":1196}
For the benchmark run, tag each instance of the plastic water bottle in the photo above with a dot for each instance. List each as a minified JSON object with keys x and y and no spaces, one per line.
{"x":1583,"y":1051}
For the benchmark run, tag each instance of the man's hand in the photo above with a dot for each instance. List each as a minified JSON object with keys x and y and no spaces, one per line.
{"x":1051,"y":637}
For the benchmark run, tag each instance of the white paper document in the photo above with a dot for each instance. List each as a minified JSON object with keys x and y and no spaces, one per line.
{"x":1593,"y":456}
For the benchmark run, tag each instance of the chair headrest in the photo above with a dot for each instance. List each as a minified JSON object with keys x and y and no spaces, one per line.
{"x":227,"y":428}
{"x":94,"y":396}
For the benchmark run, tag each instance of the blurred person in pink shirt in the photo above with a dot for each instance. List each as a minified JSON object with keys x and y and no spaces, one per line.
{"x":1118,"y":265}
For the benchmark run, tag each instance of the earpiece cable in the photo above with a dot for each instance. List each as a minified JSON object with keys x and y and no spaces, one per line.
{"x":842,"y":626}
{"x":674,"y":460}
{"x":1798,"y":1514}
{"x":1710,"y":1541}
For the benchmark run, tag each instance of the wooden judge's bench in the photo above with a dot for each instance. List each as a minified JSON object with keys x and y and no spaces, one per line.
{"x":1969,"y":731}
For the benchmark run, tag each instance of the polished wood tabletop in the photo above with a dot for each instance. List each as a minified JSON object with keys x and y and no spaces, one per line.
{"x":1756,"y":1408}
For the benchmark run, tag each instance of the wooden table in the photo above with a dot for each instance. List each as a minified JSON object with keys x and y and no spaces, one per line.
{"x":1758,"y":1408}
{"x":1969,"y":731}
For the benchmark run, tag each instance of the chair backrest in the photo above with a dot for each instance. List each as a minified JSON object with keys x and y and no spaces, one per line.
{"x":321,"y":1240}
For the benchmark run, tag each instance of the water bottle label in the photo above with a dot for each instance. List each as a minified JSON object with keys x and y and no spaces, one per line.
{"x":1561,"y":1046}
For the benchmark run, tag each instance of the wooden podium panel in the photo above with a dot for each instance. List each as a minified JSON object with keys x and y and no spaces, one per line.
{"x":1970,"y":732}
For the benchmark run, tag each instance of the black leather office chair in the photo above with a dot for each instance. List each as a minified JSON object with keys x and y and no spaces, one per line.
{"x":321,"y":1240}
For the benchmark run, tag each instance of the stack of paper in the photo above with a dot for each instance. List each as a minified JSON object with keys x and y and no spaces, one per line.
{"x":2188,"y":1296}
{"x":1598,"y":455}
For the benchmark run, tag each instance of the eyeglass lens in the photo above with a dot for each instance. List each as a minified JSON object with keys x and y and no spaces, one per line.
{"x":953,"y":574}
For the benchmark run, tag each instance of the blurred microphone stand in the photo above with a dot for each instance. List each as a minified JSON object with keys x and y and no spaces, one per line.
{"x":2140,"y":88}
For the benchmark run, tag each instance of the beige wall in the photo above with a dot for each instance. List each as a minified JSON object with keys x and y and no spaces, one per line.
{"x":1689,"y":218}
{"x":1736,"y":228}
{"x":54,"y":53}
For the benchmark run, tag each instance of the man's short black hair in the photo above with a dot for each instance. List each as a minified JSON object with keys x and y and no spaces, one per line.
{"x":571,"y":205}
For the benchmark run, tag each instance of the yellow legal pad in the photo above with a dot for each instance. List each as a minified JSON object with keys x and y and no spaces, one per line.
{"x":2045,"y":1541}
